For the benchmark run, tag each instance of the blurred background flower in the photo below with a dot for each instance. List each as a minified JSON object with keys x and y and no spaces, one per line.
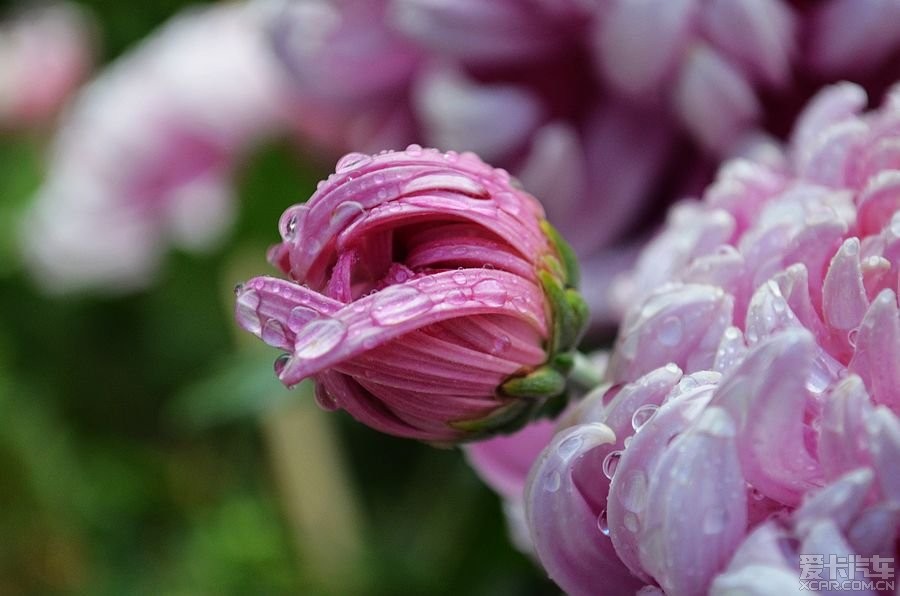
{"x":149,"y":449}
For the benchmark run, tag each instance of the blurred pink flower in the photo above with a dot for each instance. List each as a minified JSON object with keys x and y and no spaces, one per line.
{"x":755,"y":380}
{"x":342,"y":102}
{"x":45,"y":53}
{"x":704,"y":60}
{"x":436,"y":302}
{"x":144,"y":156}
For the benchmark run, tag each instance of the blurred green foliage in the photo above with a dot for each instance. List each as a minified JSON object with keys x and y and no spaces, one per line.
{"x":134,"y":458}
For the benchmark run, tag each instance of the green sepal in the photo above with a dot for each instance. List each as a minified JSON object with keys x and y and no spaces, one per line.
{"x":580,"y":316}
{"x":552,"y":264}
{"x":563,"y":362}
{"x":505,"y":419}
{"x":570,"y":314}
{"x":565,"y":252}
{"x":541,"y":383}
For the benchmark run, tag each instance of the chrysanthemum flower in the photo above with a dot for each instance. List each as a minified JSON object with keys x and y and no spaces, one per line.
{"x":752,"y":415}
{"x":429,"y":297}
{"x":144,"y":156}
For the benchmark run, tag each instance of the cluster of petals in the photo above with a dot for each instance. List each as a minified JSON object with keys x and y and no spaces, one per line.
{"x":145,"y":153}
{"x":45,"y":53}
{"x":752,"y":411}
{"x":428,"y":296}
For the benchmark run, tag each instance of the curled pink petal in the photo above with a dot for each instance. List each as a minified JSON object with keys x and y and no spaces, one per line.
{"x":699,"y":509}
{"x":578,"y":561}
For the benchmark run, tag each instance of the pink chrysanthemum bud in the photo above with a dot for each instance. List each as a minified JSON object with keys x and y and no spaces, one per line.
{"x":430,"y":297}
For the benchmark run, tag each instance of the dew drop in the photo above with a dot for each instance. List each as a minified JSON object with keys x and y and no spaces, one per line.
{"x":634,"y":491}
{"x":670,"y":331}
{"x":246,"y":313}
{"x":291,"y":229}
{"x":520,"y":303}
{"x":378,"y":178}
{"x":319,"y":337}
{"x":852,"y":336}
{"x":642,"y":416}
{"x":508,"y":203}
{"x":456,"y":297}
{"x":570,"y":446}
{"x":553,"y":482}
{"x":603,"y":523}
{"x":451,"y":156}
{"x":273,"y":334}
{"x":490,"y":292}
{"x":300,"y":316}
{"x":501,"y":344}
{"x":238,"y":288}
{"x":346,"y":212}
{"x":459,"y":278}
{"x":610,"y":463}
{"x":398,"y":304}
{"x":631,"y":522}
{"x":352,"y":161}
{"x":280,"y":363}
{"x":714,"y":520}
{"x":414,"y":150}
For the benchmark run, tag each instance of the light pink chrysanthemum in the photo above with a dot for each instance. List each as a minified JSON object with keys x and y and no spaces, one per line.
{"x":45,"y":53}
{"x":430,"y":298}
{"x":755,"y":384}
{"x":144,"y":156}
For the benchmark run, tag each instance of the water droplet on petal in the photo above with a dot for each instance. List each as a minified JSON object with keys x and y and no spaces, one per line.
{"x":490,"y":292}
{"x":509,"y":203}
{"x":553,"y":482}
{"x":300,"y":316}
{"x":280,"y":363}
{"x":352,"y":160}
{"x":459,"y":278}
{"x":451,"y":156}
{"x":319,"y":337}
{"x":346,"y":212}
{"x":414,"y":150}
{"x":610,"y":463}
{"x":456,"y":297}
{"x":570,"y":446}
{"x":634,"y":491}
{"x":291,"y":229}
{"x":631,"y":522}
{"x":501,"y":344}
{"x":852,"y":336}
{"x":246,"y":306}
{"x":398,"y":304}
{"x":602,"y":523}
{"x":238,"y":288}
{"x":714,"y":520}
{"x":273,"y":333}
{"x":643,"y":415}
{"x":520,"y":303}
{"x":670,"y":331}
